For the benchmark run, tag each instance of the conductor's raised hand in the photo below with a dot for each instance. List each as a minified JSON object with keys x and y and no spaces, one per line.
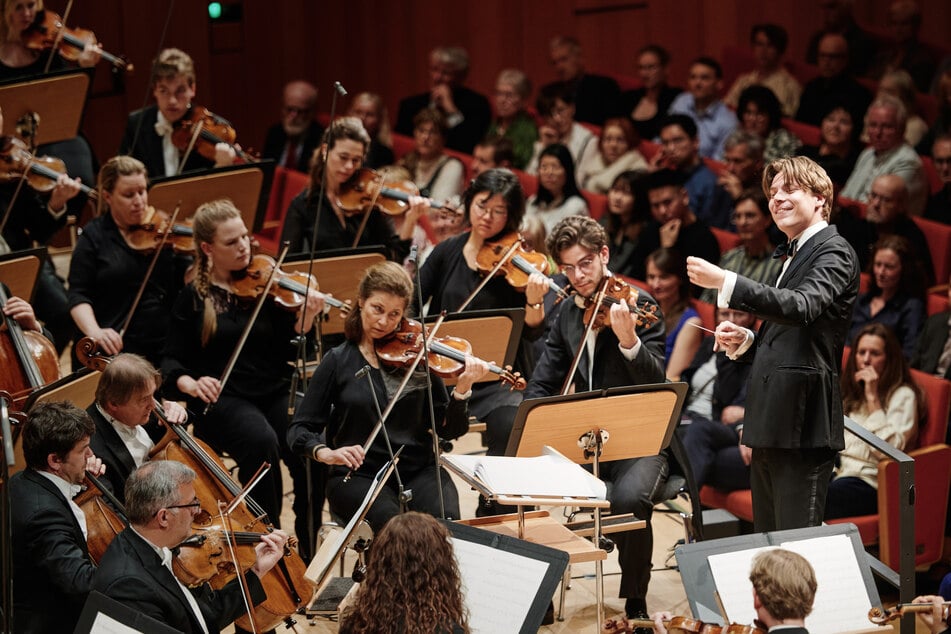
{"x":705,"y":274}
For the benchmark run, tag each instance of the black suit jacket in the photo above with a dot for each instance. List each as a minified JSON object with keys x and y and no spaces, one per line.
{"x":276,"y":139}
{"x":931,"y":344}
{"x":132,"y":573}
{"x":52,"y":570}
{"x":794,"y":400}
{"x":147,"y":146}
{"x":108,"y":446}
{"x":462,"y":138}
{"x":597,"y":98}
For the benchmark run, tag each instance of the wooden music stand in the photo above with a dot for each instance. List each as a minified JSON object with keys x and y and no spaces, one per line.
{"x":494,"y":335}
{"x":19,"y":270}
{"x":245,"y":185}
{"x":57,"y":100}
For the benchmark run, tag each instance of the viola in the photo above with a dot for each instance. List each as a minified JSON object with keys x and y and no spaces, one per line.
{"x":48,"y":31}
{"x":447,"y":355}
{"x":203,"y":129}
{"x":41,"y":172}
{"x":28,"y":360}
{"x":881,"y":616}
{"x":678,"y":625}
{"x":147,"y":235}
{"x":509,"y":256}
{"x":613,"y":291}
{"x":288,"y":289}
{"x":368,"y":189}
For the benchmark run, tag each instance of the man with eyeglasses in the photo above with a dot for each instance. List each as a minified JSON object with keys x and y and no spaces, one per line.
{"x":52,"y":570}
{"x":124,"y":413}
{"x":137,"y":568}
{"x":834,"y":84}
{"x":291,"y":142}
{"x":939,"y":205}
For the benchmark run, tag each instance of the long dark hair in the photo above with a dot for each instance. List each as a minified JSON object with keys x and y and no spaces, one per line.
{"x":912,"y":279}
{"x":671,"y":262}
{"x":563,"y":155}
{"x":765,"y":99}
{"x":632,"y":181}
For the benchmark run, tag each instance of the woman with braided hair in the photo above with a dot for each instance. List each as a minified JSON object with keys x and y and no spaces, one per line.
{"x":248,"y":417}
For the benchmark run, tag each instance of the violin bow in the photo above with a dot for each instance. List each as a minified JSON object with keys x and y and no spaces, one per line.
{"x":366,"y":214}
{"x":148,"y":89}
{"x":589,"y":327}
{"x":148,"y":273}
{"x":59,"y":37}
{"x":232,"y":541}
{"x":191,"y":146}
{"x":13,"y":200}
{"x":247,"y":328}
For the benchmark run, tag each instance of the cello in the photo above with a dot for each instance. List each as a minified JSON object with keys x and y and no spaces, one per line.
{"x":28,"y":360}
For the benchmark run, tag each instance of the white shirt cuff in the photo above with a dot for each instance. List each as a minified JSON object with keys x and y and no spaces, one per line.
{"x":726,"y":292}
{"x":743,"y":347}
{"x":630,"y":354}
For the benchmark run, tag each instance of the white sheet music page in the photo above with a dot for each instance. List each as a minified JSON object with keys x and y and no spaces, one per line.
{"x":841,"y":604}
{"x":498,"y":586}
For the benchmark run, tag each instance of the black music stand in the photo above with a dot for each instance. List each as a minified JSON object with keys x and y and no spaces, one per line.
{"x":102,"y":614}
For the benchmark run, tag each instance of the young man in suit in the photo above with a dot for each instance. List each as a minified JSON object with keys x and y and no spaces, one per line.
{"x":794,"y":421}
{"x":137,"y":567}
{"x":52,"y":570}
{"x":126,"y":427}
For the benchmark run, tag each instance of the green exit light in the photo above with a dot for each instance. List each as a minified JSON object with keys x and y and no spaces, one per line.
{"x":214,"y":10}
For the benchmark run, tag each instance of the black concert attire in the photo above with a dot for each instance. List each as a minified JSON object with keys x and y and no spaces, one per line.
{"x":694,"y":239}
{"x":338,"y":411}
{"x":932,"y":343}
{"x":109,"y":447}
{"x":648,"y":129}
{"x":461,"y":137}
{"x":596,"y":98}
{"x":106,"y":273}
{"x":331,"y":234}
{"x":143,"y":142}
{"x":249,"y":420}
{"x":277,"y":145}
{"x":839,"y":169}
{"x":446,"y":281}
{"x":822,"y":94}
{"x":51,"y":564}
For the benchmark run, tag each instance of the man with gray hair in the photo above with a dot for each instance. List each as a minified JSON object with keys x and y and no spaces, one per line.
{"x":743,"y":155}
{"x":136,"y":570}
{"x":596,"y":97}
{"x":887,"y":153}
{"x":466,"y":111}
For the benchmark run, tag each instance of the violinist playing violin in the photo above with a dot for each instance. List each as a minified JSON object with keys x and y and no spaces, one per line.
{"x":622,"y":353}
{"x":248,"y":418}
{"x":106,"y":271}
{"x":17,"y":59}
{"x":337,"y":160}
{"x":136,"y":569}
{"x":336,"y":417}
{"x":148,"y":132}
{"x":126,"y":427}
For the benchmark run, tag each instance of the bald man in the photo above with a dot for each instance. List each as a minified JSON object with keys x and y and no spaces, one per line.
{"x":292,"y":142}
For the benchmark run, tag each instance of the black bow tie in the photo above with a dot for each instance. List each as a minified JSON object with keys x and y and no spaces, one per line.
{"x":787,"y":249}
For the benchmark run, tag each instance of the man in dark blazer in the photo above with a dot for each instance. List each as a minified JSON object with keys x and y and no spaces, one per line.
{"x":52,"y":570}
{"x":126,"y":426}
{"x":932,"y":344}
{"x":467,"y":112}
{"x":291,"y":143}
{"x":596,"y":97}
{"x":137,"y":567}
{"x":794,"y":421}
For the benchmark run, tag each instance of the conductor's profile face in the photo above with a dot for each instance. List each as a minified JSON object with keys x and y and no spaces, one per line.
{"x":793,"y":208}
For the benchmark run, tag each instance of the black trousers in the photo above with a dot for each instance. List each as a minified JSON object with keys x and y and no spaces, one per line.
{"x":713,"y":451}
{"x":789,"y":487}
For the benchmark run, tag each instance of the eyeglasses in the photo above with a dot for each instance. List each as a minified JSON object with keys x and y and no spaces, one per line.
{"x":296,"y":110}
{"x":586,"y":265}
{"x":941,"y":160}
{"x":195,"y":504}
{"x":480,"y":209}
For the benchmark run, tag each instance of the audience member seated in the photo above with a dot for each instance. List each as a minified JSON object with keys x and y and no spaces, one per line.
{"x":673,"y":223}
{"x":490,"y":153}
{"x":556,"y":106}
{"x":939,"y":205}
{"x":760,"y":113}
{"x":942,"y":123}
{"x":743,"y":158}
{"x":668,"y":283}
{"x":596,"y":97}
{"x":712,"y":427}
{"x":369,"y":108}
{"x":888,"y":154}
{"x":905,"y":52}
{"x":837,"y":18}
{"x":933,"y":354}
{"x":617,"y":152}
{"x":898,"y":84}
{"x":768,"y":42}
{"x":839,"y":146}
{"x":835,"y":84}
{"x":438,"y":175}
{"x":680,"y":152}
{"x":558,"y":196}
{"x":467,"y":112}
{"x":895,"y":296}
{"x":291,"y":143}
{"x":625,"y":221}
{"x":512,"y":121}
{"x":879,"y":394}
{"x":702,"y":103}
{"x":647,"y":105}
{"x":753,"y":258}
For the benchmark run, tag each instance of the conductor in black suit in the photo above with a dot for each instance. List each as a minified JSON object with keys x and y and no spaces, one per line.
{"x":291,"y":143}
{"x":793,"y":422}
{"x":137,"y":567}
{"x":124,"y":413}
{"x":466,"y":111}
{"x":52,"y":571}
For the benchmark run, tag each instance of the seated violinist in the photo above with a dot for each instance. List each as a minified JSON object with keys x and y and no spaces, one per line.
{"x":126,"y":427}
{"x":148,"y":132}
{"x":22,"y":55}
{"x":137,"y":568}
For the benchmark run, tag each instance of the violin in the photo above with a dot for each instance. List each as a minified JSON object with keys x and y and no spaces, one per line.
{"x":28,"y":360}
{"x":679,"y":625}
{"x":48,"y":31}
{"x":41,"y":172}
{"x":289,"y":289}
{"x":368,"y":188}
{"x":510,"y":257}
{"x":613,"y":291}
{"x":147,"y":236}
{"x":881,"y":616}
{"x":447,"y":355}
{"x":203,"y":129}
